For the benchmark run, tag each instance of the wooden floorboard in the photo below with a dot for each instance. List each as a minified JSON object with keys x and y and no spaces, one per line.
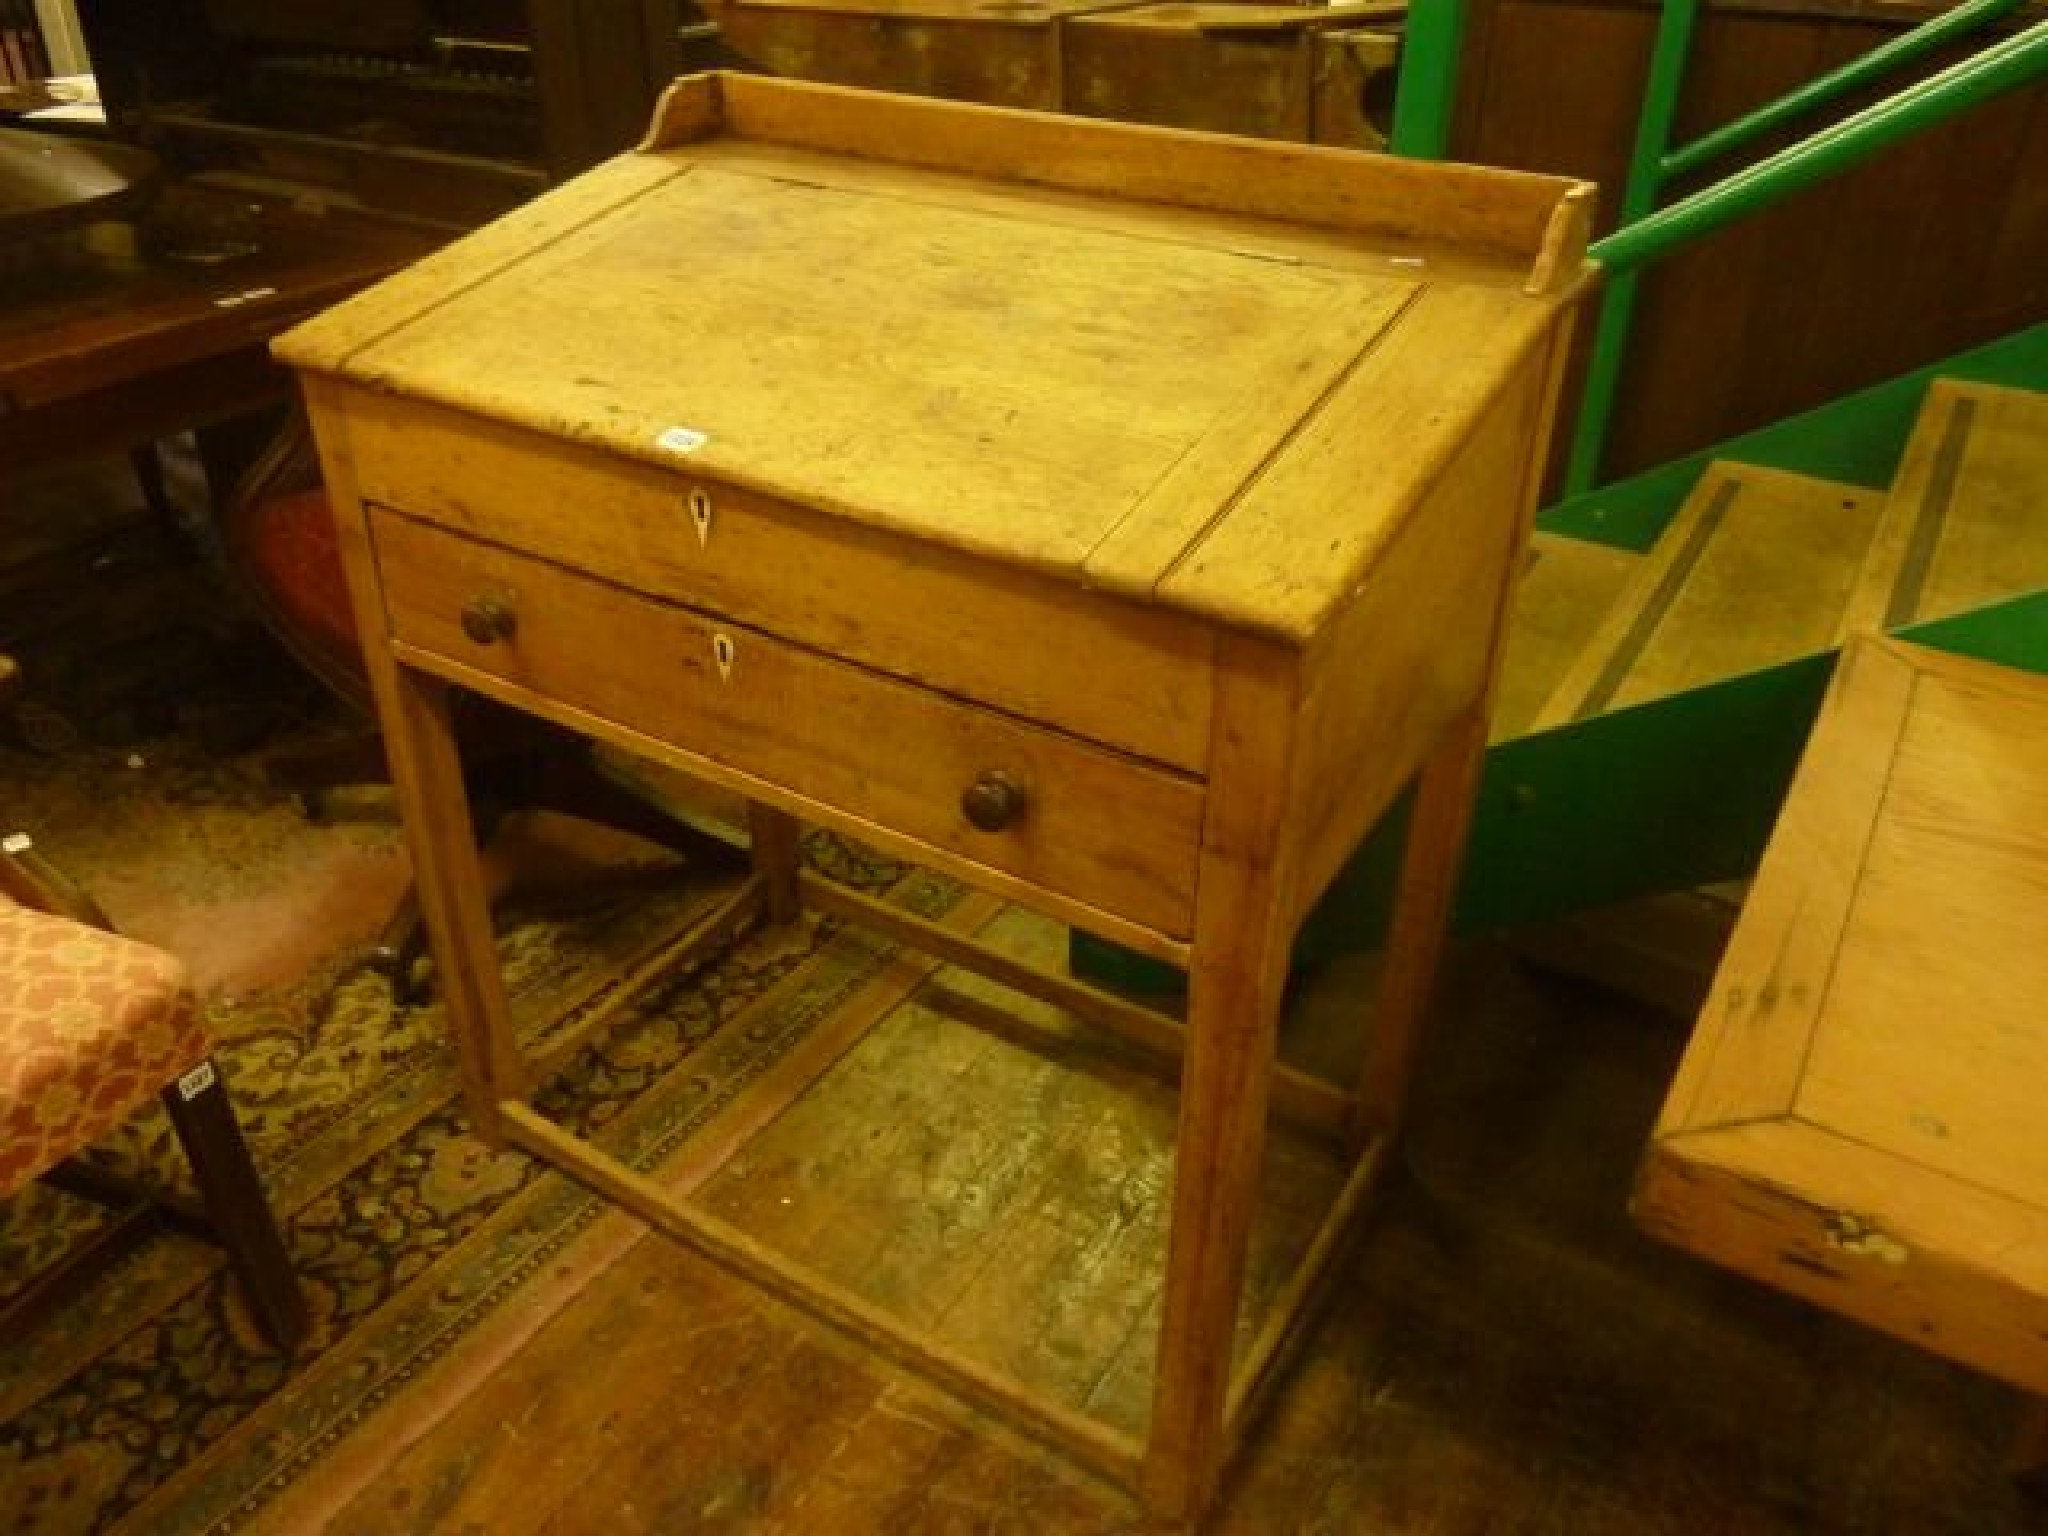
{"x":1059,"y":1298}
{"x":1008,"y":1199}
{"x":1501,"y":1353}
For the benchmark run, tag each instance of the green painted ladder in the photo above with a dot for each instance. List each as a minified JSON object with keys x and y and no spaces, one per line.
{"x":1661,"y":749}
{"x":1653,"y":704}
{"x":1664,"y":669}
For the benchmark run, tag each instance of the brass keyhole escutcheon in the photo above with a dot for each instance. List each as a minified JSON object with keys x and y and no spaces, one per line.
{"x":488,"y":619}
{"x":993,"y":801}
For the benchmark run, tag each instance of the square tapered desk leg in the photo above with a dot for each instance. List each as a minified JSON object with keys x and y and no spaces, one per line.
{"x":1439,"y":822}
{"x":1237,"y":973}
{"x":775,"y":838}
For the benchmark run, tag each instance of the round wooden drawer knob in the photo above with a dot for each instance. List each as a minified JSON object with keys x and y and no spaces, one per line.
{"x":993,"y":801}
{"x":487,"y":620}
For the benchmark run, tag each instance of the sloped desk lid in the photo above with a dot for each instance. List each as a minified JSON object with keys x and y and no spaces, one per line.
{"x":1020,"y":335}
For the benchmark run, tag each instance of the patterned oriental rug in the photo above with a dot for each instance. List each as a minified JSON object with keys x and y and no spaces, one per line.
{"x":147,"y":1403}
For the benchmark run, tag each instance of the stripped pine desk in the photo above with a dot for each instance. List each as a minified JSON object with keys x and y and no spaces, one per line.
{"x":1117,"y":519}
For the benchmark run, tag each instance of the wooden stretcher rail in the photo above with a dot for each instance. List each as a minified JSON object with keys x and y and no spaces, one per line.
{"x":720,"y":1138}
{"x":1301,"y":1097}
{"x":712,"y":930}
{"x":1109,"y":1451}
{"x":1288,"y":1319}
{"x":668,"y":1209}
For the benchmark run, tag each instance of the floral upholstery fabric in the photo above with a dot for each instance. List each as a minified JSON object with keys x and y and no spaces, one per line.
{"x":92,"y":1026}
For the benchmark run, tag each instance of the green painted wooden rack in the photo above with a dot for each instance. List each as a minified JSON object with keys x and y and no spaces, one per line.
{"x":1682,"y":791}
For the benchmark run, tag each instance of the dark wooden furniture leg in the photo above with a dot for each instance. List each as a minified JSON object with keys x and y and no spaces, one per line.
{"x":149,"y":477}
{"x":236,"y":1206}
{"x":236,"y":1211}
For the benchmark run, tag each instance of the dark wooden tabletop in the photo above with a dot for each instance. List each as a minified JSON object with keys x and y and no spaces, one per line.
{"x":167,"y":314}
{"x":21,"y":97}
{"x":49,"y":182}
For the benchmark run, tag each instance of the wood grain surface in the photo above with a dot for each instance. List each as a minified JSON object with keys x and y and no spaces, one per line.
{"x":1857,"y":1117}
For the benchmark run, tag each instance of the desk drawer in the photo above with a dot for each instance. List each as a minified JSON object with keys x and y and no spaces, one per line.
{"x":1094,"y":826}
{"x":1130,"y":676}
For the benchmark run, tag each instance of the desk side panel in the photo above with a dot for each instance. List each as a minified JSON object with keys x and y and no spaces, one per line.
{"x":1414,"y":648}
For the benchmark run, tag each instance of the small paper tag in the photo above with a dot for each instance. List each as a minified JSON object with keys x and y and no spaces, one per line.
{"x":682,"y":440}
{"x":196,"y":1082}
{"x":16,"y":842}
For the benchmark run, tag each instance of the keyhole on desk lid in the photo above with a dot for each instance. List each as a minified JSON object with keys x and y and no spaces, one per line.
{"x":723,"y":651}
{"x":700,"y":514}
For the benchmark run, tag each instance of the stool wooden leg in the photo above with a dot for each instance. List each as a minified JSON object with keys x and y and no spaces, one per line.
{"x":572,"y":783}
{"x":200,"y":1113}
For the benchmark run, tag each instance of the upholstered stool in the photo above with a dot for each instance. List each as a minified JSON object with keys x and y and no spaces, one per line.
{"x":91,"y":1026}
